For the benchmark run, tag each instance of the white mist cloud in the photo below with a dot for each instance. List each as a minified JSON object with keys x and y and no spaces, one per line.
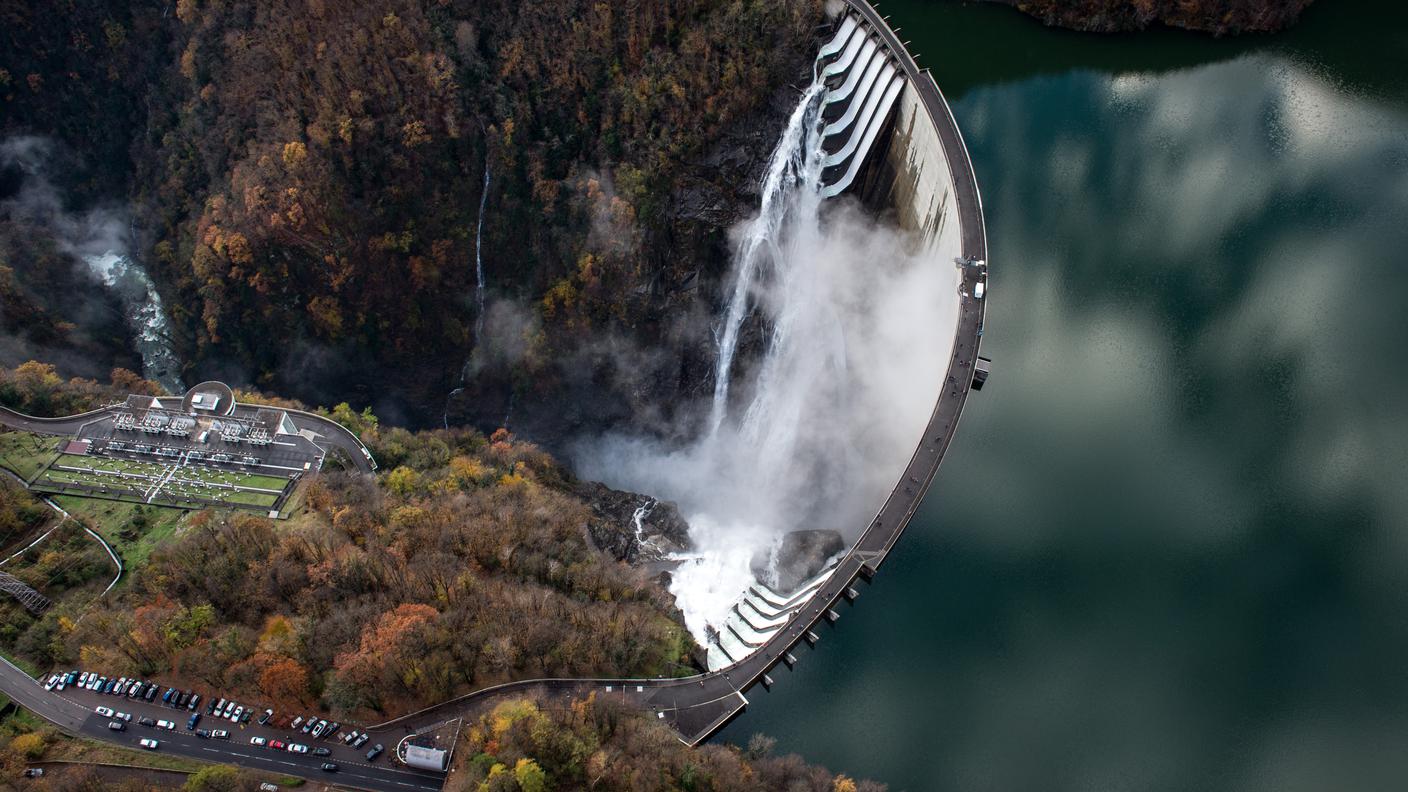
{"x":861,"y":331}
{"x":99,"y":238}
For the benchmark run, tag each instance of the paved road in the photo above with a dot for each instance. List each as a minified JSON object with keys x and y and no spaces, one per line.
{"x":72,"y":711}
{"x":700,"y":705}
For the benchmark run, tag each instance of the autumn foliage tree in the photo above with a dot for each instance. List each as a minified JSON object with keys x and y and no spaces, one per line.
{"x":473,"y":569}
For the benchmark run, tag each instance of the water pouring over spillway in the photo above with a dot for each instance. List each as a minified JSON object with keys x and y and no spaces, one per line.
{"x":812,"y":420}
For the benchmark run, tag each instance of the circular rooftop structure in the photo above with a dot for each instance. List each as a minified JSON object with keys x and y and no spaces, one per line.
{"x":209,"y":398}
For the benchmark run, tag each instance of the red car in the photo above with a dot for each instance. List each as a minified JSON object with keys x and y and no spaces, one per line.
{"x":277,"y":745}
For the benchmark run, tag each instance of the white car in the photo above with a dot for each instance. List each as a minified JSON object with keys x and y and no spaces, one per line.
{"x":220,"y":734}
{"x":122,"y":716}
{"x":259,"y":741}
{"x":148,"y":743}
{"x":83,"y":679}
{"x":52,"y":683}
{"x":297,"y":748}
{"x":165,"y":724}
{"x":235,"y":716}
{"x":104,"y":711}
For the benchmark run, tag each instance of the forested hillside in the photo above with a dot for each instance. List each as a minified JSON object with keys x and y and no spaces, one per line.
{"x":465,"y":564}
{"x":317,"y":168}
{"x":1214,"y":16}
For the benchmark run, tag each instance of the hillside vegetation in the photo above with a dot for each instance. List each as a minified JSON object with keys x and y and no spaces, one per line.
{"x":318,"y":167}
{"x":1214,"y":16}
{"x":466,"y":563}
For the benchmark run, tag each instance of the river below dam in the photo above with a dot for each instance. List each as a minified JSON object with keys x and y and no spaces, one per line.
{"x":1168,"y":549}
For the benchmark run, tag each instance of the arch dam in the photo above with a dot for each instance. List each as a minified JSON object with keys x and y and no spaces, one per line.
{"x":890,"y":140}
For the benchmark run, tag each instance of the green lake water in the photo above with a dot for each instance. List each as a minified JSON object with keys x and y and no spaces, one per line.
{"x":1169,"y":547}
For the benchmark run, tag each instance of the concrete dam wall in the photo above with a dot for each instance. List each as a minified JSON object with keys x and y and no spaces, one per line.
{"x":889,"y":141}
{"x":892,"y":144}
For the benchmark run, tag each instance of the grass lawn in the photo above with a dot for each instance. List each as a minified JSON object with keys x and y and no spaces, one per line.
{"x":115,"y":521}
{"x":26,"y":454}
{"x":23,"y":664}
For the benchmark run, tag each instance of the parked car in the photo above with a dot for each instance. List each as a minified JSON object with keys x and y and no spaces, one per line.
{"x":165,"y":724}
{"x":108,"y":686}
{"x":166,"y":697}
{"x":334,"y":726}
{"x":266,"y":717}
{"x":260,"y":741}
{"x":145,"y":721}
{"x":195,"y":718}
{"x":308,"y":724}
{"x":203,"y":734}
{"x":219,"y":734}
{"x":374,"y":753}
{"x":83,"y":679}
{"x":235,"y":716}
{"x":214,"y":706}
{"x":249,"y":713}
{"x":184,"y":700}
{"x":278,"y":745}
{"x":297,"y":748}
{"x":150,"y":695}
{"x":148,"y":743}
{"x":104,"y":711}
{"x":117,"y":726}
{"x":321,"y":751}
{"x":122,"y":716}
{"x":296,"y":721}
{"x":350,"y":737}
{"x":193,"y":703}
{"x":329,"y":767}
{"x":318,"y":729}
{"x":34,"y":772}
{"x":360,"y":741}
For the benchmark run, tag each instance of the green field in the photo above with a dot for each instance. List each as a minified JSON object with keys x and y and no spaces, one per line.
{"x":26,"y":454}
{"x":133,"y":530}
{"x":179,"y":486}
{"x":156,"y":471}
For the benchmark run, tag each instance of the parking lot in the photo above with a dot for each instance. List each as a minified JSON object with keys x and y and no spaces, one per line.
{"x":231,"y":732}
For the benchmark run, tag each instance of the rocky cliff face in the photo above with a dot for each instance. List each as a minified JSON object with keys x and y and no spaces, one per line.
{"x":631,"y":527}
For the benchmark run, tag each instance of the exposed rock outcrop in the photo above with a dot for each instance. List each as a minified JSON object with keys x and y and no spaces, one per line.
{"x":1219,"y":17}
{"x":631,"y":527}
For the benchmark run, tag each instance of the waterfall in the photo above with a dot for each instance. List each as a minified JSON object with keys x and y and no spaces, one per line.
{"x":478,"y":290}
{"x":794,"y":171}
{"x":638,"y":525}
{"x":859,"y":325}
{"x":145,"y":315}
{"x":479,"y":256}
